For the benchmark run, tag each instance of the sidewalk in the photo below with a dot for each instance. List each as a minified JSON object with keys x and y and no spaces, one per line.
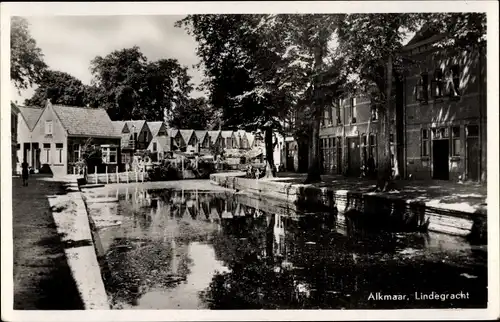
{"x":445,"y":194}
{"x":42,"y":278}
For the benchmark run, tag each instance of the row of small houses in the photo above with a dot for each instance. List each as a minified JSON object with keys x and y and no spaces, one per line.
{"x":54,"y":137}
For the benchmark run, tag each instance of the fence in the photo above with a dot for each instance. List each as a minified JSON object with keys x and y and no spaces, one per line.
{"x":116,"y":176}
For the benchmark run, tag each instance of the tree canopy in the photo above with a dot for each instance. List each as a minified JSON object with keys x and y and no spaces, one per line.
{"x":26,"y":60}
{"x":129,"y":86}
{"x":60,"y":88}
{"x":196,"y":115}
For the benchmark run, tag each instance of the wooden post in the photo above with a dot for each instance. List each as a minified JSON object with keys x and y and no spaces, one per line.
{"x":128,"y":175}
{"x":136,"y":179}
{"x":117,"y":175}
{"x":107,"y":177}
{"x":95,"y":173}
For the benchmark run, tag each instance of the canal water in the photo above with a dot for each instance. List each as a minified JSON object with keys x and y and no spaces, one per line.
{"x":188,"y":249}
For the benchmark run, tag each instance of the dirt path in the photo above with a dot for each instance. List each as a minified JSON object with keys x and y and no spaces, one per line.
{"x":42,"y":278}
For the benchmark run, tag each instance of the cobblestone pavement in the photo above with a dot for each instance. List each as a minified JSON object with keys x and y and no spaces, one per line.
{"x":42,"y":278}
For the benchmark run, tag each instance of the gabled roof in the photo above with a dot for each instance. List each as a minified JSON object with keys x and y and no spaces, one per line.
{"x":135,"y":126}
{"x":162,"y":141}
{"x":250,"y":138}
{"x":201,"y":135}
{"x":85,"y":121}
{"x":213,"y":136}
{"x":186,"y":134}
{"x":241,"y":133}
{"x":226,"y":134}
{"x":155,"y":127}
{"x":30,"y":115}
{"x":172,"y":132}
{"x":120,"y":126}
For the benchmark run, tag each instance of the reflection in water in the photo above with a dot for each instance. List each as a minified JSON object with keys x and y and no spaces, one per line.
{"x":191,"y":250}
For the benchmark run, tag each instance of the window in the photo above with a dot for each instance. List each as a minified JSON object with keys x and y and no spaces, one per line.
{"x":422,"y":88}
{"x":437,"y":83}
{"x":76,"y":152}
{"x":339,"y":117}
{"x":46,"y":152}
{"x":48,"y":127}
{"x":374,"y":112}
{"x":161,"y":133}
{"x":59,"y":149}
{"x":372,"y":150}
{"x":154,"y":146}
{"x":18,"y":146}
{"x":109,"y":154}
{"x":472,"y":130}
{"x":425,"y":143}
{"x":453,"y":81}
{"x":455,"y":137}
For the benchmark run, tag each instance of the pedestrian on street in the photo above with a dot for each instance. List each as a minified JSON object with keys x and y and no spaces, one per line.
{"x":25,"y":172}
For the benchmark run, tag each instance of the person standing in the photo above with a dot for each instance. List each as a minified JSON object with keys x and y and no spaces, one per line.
{"x":25,"y":172}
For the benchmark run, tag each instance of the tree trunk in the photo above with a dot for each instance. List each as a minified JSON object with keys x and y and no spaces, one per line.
{"x":314,"y":171}
{"x":384,"y":164}
{"x":269,"y":153}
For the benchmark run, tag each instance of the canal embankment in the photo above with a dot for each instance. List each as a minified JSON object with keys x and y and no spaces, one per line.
{"x":442,"y":207}
{"x":73,"y":226}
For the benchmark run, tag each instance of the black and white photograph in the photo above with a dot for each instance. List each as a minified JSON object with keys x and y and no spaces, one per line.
{"x":261,"y":160}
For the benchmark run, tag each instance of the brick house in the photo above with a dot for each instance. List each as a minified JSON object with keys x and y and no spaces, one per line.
{"x":140,"y":134}
{"x":62,"y":131}
{"x":440,"y":119}
{"x":445,"y":112}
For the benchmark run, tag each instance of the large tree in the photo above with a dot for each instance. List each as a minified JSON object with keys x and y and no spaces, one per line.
{"x":241,"y":62}
{"x":129,"y":86}
{"x":26,"y":59}
{"x":315,"y":67}
{"x":372,"y":43}
{"x":60,"y":88}
{"x":196,"y":115}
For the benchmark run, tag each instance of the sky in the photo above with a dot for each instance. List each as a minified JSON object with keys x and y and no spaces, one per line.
{"x":69,"y":43}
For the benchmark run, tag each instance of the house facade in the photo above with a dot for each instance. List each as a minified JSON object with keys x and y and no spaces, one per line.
{"x":14,"y":115}
{"x":190,"y":140}
{"x":160,"y":143}
{"x":439,"y":130}
{"x":203,"y":141}
{"x":28,"y":145}
{"x":63,"y":132}
{"x":229,"y":139}
{"x":140,"y":134}
{"x":215,"y":138}
{"x":445,"y":112}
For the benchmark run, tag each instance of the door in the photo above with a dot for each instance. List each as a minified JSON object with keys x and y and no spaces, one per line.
{"x":440,"y":156}
{"x":289,"y":157}
{"x":473,"y":159}
{"x":353,"y":156}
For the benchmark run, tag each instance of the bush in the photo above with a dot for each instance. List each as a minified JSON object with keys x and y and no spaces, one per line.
{"x":205,"y":168}
{"x":164,"y":172}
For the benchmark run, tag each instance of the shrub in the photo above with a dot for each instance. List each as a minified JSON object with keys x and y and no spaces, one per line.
{"x":205,"y":168}
{"x":165,"y":171}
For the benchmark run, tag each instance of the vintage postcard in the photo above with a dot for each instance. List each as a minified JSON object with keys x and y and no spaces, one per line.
{"x":249,"y":161}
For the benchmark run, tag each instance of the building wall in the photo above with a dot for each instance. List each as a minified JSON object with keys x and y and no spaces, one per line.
{"x":346,"y":122}
{"x":80,"y":141}
{"x":57,"y":165}
{"x":14,"y":115}
{"x":445,"y":112}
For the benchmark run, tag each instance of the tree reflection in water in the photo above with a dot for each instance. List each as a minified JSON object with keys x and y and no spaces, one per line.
{"x":276,"y":259}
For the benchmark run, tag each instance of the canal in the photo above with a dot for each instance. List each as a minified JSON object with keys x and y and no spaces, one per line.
{"x":190,"y":249}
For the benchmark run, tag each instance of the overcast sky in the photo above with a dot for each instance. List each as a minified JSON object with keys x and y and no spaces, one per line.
{"x":69,"y":43}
